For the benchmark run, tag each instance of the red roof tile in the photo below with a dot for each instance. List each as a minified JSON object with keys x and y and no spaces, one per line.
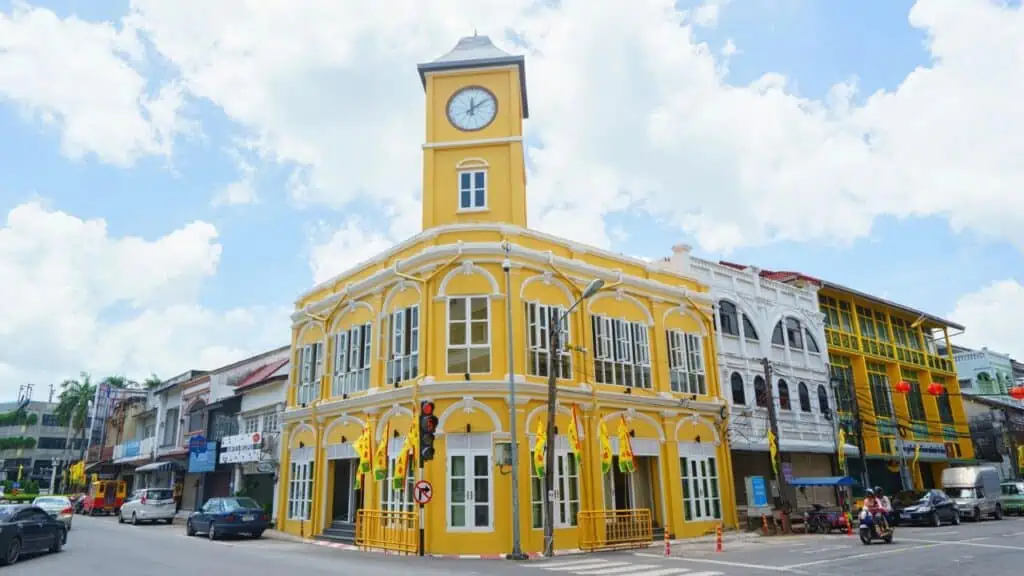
{"x":260,"y":374}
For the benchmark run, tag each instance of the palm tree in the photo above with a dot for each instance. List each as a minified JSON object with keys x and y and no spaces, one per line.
{"x":152,"y":382}
{"x":76,"y":397}
{"x":120,"y":382}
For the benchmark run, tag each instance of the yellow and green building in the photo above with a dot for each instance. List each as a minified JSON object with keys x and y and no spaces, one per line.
{"x":449,"y":314}
{"x":874,"y":344}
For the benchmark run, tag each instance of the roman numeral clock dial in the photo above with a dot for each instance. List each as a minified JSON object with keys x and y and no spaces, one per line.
{"x":472,"y":108}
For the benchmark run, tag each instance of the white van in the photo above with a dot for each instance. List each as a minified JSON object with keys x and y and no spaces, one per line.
{"x":975,"y":489}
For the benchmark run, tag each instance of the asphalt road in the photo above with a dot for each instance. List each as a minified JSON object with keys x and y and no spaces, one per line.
{"x":102,"y":547}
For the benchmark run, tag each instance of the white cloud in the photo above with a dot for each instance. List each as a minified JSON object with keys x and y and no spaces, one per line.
{"x":991,"y":318}
{"x":331,"y":87}
{"x":334,"y":251}
{"x":241,"y":191}
{"x":708,"y":13}
{"x":82,"y":77}
{"x":74,"y":298}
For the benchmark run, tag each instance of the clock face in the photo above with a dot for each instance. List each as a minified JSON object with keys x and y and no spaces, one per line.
{"x":472,"y":108}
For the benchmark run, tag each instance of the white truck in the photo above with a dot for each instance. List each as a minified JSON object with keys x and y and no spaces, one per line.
{"x":975,"y":490}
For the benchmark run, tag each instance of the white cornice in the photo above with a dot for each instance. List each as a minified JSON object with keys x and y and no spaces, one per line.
{"x":505,"y":230}
{"x":430,"y":254}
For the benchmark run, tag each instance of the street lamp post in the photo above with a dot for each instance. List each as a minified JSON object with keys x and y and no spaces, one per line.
{"x":517,"y":548}
{"x":554,"y":330}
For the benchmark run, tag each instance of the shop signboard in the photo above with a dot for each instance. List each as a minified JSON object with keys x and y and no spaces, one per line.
{"x":205,"y":461}
{"x":241,"y":448}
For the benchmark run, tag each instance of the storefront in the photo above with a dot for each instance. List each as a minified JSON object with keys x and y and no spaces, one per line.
{"x":202,"y":459}
{"x":253,"y":470}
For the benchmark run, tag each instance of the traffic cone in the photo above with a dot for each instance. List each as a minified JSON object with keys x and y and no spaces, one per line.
{"x":849,"y":525}
{"x":668,"y":545}
{"x":764,"y":524}
{"x":718,"y":538}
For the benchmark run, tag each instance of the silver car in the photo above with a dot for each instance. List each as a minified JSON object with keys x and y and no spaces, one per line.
{"x":149,"y":505}
{"x":58,"y":507}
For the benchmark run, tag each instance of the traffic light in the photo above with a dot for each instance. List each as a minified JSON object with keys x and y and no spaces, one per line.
{"x":428,"y":424}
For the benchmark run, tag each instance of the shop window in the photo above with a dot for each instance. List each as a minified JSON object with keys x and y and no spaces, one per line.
{"x":300,"y":491}
{"x":567,"y":492}
{"x":701,"y":496}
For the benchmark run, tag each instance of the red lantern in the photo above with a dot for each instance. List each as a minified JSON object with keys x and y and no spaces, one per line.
{"x":1017,"y":392}
{"x":936,"y":389}
{"x":903,"y":386}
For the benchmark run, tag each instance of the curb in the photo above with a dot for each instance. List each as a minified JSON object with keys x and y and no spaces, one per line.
{"x":353,"y":548}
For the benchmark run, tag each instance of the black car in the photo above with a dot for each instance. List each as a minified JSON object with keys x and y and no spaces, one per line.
{"x":26,"y":529}
{"x":228,"y":517}
{"x":930,"y":507}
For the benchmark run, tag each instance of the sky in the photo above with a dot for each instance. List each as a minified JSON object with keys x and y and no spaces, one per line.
{"x":174,"y":174}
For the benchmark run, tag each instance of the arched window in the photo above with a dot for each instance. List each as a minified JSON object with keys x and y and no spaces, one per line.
{"x":823,"y":400}
{"x":760,"y":392}
{"x":795,"y":334}
{"x":784,"y":402}
{"x":812,"y":346}
{"x":777,"y":338}
{"x":728,"y":319}
{"x":739,"y":394}
{"x":805,"y":397}
{"x":749,"y":332}
{"x":196,"y":414}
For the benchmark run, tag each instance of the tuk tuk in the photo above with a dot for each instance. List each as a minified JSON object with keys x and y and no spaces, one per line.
{"x":104,"y":497}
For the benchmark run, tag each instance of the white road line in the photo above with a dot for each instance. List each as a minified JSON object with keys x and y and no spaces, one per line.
{"x":545,"y":565}
{"x":825,"y":549}
{"x":864,"y":555}
{"x":630,"y":568}
{"x":591,"y":566}
{"x":665,"y":572}
{"x":964,"y":543}
{"x":715,"y":562}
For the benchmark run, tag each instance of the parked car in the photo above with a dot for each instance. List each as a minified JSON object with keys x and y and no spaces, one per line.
{"x":148,"y":505}
{"x":58,"y":507}
{"x":27,"y":529}
{"x":975,"y":489}
{"x":932,"y":507}
{"x":1012,"y":497}
{"x":228,"y":516}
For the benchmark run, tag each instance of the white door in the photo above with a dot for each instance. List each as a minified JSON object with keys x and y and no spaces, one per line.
{"x":701,"y":497}
{"x":567,"y":490}
{"x":469,"y":485}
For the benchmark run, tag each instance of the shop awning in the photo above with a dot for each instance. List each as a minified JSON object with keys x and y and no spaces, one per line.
{"x":158,"y":467}
{"x":823,"y":481}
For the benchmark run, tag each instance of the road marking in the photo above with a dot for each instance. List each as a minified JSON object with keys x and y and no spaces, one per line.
{"x":632,"y":568}
{"x":826,"y":549}
{"x":595,"y":567}
{"x":864,"y":555}
{"x":574,"y":566}
{"x":716,"y":562}
{"x":964,"y":543}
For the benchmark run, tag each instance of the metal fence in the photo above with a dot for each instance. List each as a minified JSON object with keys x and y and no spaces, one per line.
{"x":388,"y":530}
{"x":615,"y":529}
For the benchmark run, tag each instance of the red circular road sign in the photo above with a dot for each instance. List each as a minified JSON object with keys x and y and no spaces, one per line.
{"x":255,"y":437}
{"x":422,"y":492}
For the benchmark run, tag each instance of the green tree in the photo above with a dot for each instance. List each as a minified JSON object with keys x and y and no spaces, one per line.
{"x":152,"y":382}
{"x":73,"y":406}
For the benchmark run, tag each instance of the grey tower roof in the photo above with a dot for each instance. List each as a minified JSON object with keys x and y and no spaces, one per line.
{"x":477,"y":52}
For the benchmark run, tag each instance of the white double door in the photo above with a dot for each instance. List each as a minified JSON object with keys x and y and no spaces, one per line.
{"x":566,"y":500}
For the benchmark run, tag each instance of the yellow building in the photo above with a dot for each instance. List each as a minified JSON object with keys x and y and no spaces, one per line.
{"x":430,"y":319}
{"x":873,"y":345}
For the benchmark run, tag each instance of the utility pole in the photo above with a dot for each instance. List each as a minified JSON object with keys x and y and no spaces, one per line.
{"x":554,"y":323}
{"x":517,"y":550}
{"x":858,"y":427}
{"x":905,"y":479}
{"x":50,"y":401}
{"x":773,"y":426}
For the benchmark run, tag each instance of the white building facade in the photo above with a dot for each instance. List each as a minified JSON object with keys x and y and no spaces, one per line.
{"x":759,"y":319}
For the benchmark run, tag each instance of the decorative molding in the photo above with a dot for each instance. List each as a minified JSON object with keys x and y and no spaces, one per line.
{"x":620,"y":295}
{"x":468,"y":143}
{"x":695,"y":419}
{"x":632,"y":414}
{"x":548,"y":279}
{"x":395,"y":410}
{"x":295,"y":432}
{"x":468,"y":405}
{"x":347,"y":309}
{"x":337,"y":422}
{"x":685,"y":310}
{"x":466,"y":268}
{"x":395,"y":290}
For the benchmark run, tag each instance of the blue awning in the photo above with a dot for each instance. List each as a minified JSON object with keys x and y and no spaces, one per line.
{"x":823,"y":481}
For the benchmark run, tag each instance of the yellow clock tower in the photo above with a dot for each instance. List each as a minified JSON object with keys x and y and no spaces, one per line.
{"x":473,"y":164}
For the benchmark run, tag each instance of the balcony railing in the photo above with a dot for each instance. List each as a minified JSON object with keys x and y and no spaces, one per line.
{"x":134,"y":449}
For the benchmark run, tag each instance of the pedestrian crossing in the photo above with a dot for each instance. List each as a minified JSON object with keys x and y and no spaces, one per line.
{"x":614,"y":567}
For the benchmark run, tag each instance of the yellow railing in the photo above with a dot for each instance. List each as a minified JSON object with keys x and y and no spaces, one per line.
{"x":615,"y":529}
{"x":387,"y":530}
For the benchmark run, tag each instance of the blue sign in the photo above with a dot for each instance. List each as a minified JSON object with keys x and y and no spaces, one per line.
{"x":759,"y":491}
{"x":131,"y":449}
{"x":197,"y":444}
{"x":205,"y":461}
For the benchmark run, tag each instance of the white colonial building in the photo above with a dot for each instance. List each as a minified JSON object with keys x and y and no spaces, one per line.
{"x":758,"y":318}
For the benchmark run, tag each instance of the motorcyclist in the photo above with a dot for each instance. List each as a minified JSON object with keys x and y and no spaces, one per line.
{"x":876,"y":506}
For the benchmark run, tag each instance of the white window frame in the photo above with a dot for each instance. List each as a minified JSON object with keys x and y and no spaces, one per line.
{"x":467,"y":346}
{"x":473,"y":189}
{"x":300,"y":490}
{"x":252,"y":423}
{"x":271,"y":423}
{"x":404,"y":345}
{"x":623,"y":349}
{"x":311,"y":373}
{"x":352,"y":360}
{"x":563,"y":502}
{"x":687,"y":372}
{"x":474,"y":445}
{"x":537,"y":343}
{"x":699,"y":489}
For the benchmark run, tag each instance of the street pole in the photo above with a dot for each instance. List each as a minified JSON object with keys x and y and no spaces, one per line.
{"x":506,"y":265}
{"x":905,"y":481}
{"x":773,"y":426}
{"x":554,"y":322}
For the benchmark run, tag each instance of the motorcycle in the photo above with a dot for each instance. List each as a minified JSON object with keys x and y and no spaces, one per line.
{"x":870,"y":530}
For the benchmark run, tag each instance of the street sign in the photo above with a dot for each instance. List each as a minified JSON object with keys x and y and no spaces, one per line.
{"x":422,"y":492}
{"x":197,"y":444}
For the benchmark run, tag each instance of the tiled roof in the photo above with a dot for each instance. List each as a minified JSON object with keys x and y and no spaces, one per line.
{"x":261,"y":374}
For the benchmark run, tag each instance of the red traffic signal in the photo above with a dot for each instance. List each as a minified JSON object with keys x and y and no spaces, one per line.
{"x":428,"y":424}
{"x":426,"y":408}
